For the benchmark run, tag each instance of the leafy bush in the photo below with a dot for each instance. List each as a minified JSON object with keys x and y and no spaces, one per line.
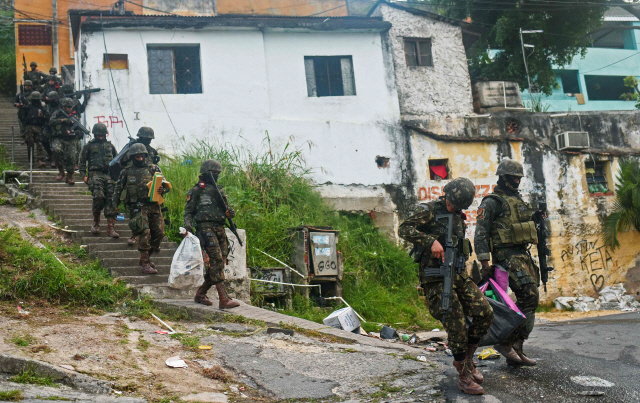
{"x":625,"y":213}
{"x":7,"y":54}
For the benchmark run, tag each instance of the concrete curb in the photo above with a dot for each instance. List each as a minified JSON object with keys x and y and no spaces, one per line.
{"x":14,"y":365}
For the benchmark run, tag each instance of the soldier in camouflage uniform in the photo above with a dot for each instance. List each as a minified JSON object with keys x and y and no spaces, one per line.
{"x":36,"y":77}
{"x":428,"y":236}
{"x":52,"y":104}
{"x":96,"y":155}
{"x":64,"y":141}
{"x":78,"y":109}
{"x":34,"y":120}
{"x":53,"y":72}
{"x":504,"y":231}
{"x":146,"y":221}
{"x":51,"y":85}
{"x":22,"y":101}
{"x":205,"y":208}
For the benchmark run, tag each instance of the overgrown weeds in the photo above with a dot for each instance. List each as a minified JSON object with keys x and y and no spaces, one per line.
{"x":11,"y":396}
{"x":30,"y":376}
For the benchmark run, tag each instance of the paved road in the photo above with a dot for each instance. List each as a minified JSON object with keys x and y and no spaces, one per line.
{"x":607,"y":348}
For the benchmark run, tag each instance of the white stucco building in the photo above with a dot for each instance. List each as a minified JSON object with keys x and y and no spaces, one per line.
{"x":338,"y":88}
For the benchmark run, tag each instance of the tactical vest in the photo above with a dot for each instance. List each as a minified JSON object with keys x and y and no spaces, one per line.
{"x":99,"y":155}
{"x":514,"y":226}
{"x":31,"y":117}
{"x":60,"y":130}
{"x":136,"y":186}
{"x":209,"y":208}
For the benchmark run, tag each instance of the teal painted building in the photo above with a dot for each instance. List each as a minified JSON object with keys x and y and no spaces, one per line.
{"x":598,"y":77}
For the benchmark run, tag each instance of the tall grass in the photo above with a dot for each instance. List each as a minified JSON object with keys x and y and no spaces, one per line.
{"x":271,"y":192}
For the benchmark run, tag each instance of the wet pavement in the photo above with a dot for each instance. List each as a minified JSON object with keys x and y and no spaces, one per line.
{"x":582,"y":356}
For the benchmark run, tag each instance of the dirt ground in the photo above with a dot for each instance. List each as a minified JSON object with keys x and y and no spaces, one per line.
{"x":559,"y":316}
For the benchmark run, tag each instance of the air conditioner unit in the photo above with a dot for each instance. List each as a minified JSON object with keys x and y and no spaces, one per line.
{"x":572,"y":140}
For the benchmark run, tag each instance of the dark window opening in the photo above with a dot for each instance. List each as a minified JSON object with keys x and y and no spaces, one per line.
{"x":418,"y":52}
{"x":174,"y":70}
{"x":439,"y":169}
{"x":613,"y":39}
{"x":329,"y":76}
{"x":569,"y":80}
{"x":382,"y":162}
{"x":34,"y":35}
{"x":605,"y":88}
{"x":115,"y":61}
{"x":596,"y":172}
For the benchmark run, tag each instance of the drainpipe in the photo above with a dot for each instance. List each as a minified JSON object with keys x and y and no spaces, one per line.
{"x":55,"y":51}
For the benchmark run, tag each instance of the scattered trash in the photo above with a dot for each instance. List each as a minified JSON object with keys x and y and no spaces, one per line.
{"x":592,"y":381}
{"x":117,"y":392}
{"x":590,"y":393}
{"x":414,"y":339}
{"x":120,"y":217}
{"x":273,"y":330}
{"x":421,"y":358}
{"x":21,"y":311}
{"x":161,"y":332}
{"x":187,"y":266}
{"x":431,"y":349}
{"x":436,"y":330}
{"x":611,"y":298}
{"x":176,"y":362}
{"x":489,"y":354}
{"x":204,"y":347}
{"x":388,"y":333}
{"x":448,"y":352}
{"x":345,"y":319}
{"x":165,"y":325}
{"x":241,"y":388}
{"x":409,"y":392}
{"x":405,"y":337}
{"x":69,"y":367}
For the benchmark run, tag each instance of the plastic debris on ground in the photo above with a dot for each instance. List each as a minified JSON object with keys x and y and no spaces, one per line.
{"x":273,"y":330}
{"x":345,"y":319}
{"x":421,"y":358}
{"x":489,"y":354}
{"x":448,"y":352}
{"x":436,"y":330}
{"x":161,"y":332}
{"x":611,"y":298}
{"x":388,"y":333}
{"x":204,"y":347}
{"x":414,"y":339}
{"x":176,"y":362}
{"x":21,"y":311}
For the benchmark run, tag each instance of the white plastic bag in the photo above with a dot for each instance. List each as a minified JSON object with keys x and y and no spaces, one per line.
{"x":187,"y":267}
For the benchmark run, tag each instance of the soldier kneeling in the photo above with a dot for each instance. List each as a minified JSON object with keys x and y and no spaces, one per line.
{"x":205,"y":207}
{"x":428,"y":234}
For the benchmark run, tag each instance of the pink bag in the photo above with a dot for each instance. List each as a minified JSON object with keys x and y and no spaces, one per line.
{"x":502,"y":293}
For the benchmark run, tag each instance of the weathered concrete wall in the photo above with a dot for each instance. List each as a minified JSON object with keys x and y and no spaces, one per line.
{"x":181,"y":7}
{"x":583,"y":265}
{"x":438,"y":97}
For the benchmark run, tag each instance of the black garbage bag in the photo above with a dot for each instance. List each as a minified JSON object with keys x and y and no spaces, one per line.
{"x":388,"y":333}
{"x":505,"y":321}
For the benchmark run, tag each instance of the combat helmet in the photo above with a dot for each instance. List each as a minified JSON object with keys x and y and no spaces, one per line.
{"x":136,"y":149}
{"x":100,"y":129}
{"x":32,"y":64}
{"x":28,"y":82}
{"x":460,"y":193}
{"x":510,"y":167}
{"x":146,"y":133}
{"x":35,"y":96}
{"x":53,"y":96}
{"x":67,"y":103}
{"x":211,"y":165}
{"x":67,"y":89}
{"x":54,"y":70}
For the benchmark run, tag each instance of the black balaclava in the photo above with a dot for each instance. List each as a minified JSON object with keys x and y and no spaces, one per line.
{"x":36,"y":102}
{"x":507,"y":183}
{"x":145,"y":141}
{"x":139,"y":163}
{"x":101,"y":139}
{"x":206,"y":178}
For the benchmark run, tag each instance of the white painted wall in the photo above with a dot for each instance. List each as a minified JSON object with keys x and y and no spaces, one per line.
{"x":254,"y":82}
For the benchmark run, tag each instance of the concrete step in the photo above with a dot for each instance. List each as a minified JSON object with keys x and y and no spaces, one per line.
{"x":134,"y":269}
{"x":82,"y":223}
{"x":163,"y":291}
{"x":133,"y":262}
{"x":153,"y":279}
{"x":123,"y":247}
{"x":124,"y":253}
{"x":104,"y":239}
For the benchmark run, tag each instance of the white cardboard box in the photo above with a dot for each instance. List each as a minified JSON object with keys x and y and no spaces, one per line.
{"x":344,"y":319}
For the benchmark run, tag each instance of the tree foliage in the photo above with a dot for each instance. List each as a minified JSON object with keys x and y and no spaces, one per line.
{"x":566,"y":26}
{"x":625,"y":214}
{"x":7,"y":54}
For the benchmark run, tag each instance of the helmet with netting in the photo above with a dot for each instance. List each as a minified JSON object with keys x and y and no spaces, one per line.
{"x":67,"y":89}
{"x":211,"y":165}
{"x":100,"y":129}
{"x":460,"y":193}
{"x":146,"y":133}
{"x":35,"y":96}
{"x":137,"y":149}
{"x":53,"y":96}
{"x":510,"y":167}
{"x":28,"y":82}
{"x":32,"y":64}
{"x":67,"y":102}
{"x":53,"y":70}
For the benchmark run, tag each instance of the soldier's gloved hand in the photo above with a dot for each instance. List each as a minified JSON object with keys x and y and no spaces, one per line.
{"x":231,"y":213}
{"x":437,"y":251}
{"x":485,"y":271}
{"x":85,"y":180}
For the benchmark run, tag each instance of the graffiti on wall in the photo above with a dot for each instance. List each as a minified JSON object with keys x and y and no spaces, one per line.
{"x":109,"y":121}
{"x":595,"y":260}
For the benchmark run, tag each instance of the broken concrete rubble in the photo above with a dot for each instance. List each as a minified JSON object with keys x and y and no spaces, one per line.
{"x":611,"y":298}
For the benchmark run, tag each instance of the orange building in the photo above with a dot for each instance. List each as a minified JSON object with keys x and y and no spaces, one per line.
{"x":43,"y":34}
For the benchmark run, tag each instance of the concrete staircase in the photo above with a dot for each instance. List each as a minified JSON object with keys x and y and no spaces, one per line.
{"x":71,"y":205}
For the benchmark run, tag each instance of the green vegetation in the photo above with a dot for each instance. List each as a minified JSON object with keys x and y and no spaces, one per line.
{"x":22,"y":341}
{"x":5,"y":155}
{"x":271,"y":192}
{"x":634,"y":95}
{"x":625,"y":214}
{"x":188,"y":342}
{"x":11,"y":396}
{"x":29,"y":376}
{"x":7,"y":54}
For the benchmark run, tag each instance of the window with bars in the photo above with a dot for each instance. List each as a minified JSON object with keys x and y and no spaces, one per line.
{"x":417,"y":52}
{"x":597,"y":177}
{"x":329,"y":76}
{"x":34,"y":35}
{"x":174,"y":70}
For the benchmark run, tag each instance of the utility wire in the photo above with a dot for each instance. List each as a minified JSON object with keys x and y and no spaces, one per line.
{"x":611,"y":64}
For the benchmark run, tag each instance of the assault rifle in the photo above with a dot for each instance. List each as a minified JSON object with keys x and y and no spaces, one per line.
{"x":543,"y":250}
{"x":232,"y":225}
{"x":86,"y":91}
{"x":24,"y":63}
{"x":453,"y":264}
{"x":116,"y":165}
{"x":76,"y":123}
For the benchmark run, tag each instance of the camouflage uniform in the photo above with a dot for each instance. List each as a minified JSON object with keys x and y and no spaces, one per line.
{"x":96,"y":155}
{"x":34,"y":120}
{"x":145,"y":135}
{"x":21,"y":102}
{"x":78,"y":110}
{"x":52,"y":104}
{"x":65,"y":152}
{"x":35,"y":76}
{"x":504,"y":231}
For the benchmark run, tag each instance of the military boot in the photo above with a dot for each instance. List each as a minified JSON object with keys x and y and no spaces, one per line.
{"x":477,"y":376}
{"x":145,"y":268}
{"x":201,"y":294}
{"x":95,"y":227}
{"x":70,"y":180}
{"x":509,"y":353}
{"x":111,"y":230}
{"x":151,"y":252}
{"x":225,"y":301}
{"x":517,"y":346}
{"x":132,"y":241}
{"x":466,"y":383}
{"x":60,"y":176}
